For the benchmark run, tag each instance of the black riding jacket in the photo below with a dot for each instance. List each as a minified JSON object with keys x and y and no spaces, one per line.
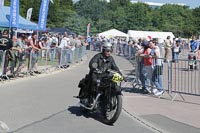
{"x":103,"y":63}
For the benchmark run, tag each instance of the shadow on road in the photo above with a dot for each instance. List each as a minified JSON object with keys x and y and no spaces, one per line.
{"x":90,"y":114}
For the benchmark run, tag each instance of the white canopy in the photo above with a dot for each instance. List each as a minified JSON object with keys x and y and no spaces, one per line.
{"x":113,"y":33}
{"x":152,"y":34}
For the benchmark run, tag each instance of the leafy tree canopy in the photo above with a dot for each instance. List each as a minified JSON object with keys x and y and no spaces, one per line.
{"x":119,"y":14}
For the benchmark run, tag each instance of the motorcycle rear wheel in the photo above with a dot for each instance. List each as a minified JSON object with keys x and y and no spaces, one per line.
{"x":112,"y":111}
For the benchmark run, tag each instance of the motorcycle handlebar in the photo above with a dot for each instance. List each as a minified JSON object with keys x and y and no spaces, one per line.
{"x":109,"y":71}
{"x":98,"y":71}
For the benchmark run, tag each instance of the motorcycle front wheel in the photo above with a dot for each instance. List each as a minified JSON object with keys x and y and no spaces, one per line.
{"x":112,"y":110}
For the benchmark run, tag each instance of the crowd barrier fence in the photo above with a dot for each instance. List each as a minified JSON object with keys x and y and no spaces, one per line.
{"x":177,"y":77}
{"x":1,"y":62}
{"x":45,"y":60}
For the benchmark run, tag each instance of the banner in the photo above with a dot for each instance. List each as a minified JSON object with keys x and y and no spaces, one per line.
{"x":14,"y":13}
{"x":88,"y":30}
{"x":43,"y":15}
{"x":1,"y":2}
{"x":29,"y":13}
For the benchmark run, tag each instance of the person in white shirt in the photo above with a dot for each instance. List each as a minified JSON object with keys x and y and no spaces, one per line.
{"x":53,"y":45}
{"x":176,"y":50}
{"x":158,"y":68}
{"x":64,"y":51}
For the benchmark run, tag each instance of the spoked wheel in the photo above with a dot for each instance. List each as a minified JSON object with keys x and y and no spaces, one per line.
{"x":112,"y":110}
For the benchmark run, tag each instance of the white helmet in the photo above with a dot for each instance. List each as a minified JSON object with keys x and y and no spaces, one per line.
{"x":107,"y":46}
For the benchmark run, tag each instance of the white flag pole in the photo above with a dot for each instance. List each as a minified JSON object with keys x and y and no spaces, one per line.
{"x":52,"y":1}
{"x":29,"y":13}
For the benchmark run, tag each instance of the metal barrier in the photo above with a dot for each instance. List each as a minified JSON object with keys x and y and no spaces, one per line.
{"x":52,"y":57}
{"x":140,"y":76}
{"x":65,"y":57}
{"x":45,"y":60}
{"x":38,"y":58}
{"x":1,"y":63}
{"x":185,"y":77}
{"x":178,"y":77}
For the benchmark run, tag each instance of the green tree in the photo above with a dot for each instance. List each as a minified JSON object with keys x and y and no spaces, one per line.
{"x":138,"y":16}
{"x":175,"y":18}
{"x":116,"y":3}
{"x":119,"y":14}
{"x":196,"y":21}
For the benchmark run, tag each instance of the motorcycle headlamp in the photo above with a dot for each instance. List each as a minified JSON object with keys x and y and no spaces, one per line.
{"x":117,"y":78}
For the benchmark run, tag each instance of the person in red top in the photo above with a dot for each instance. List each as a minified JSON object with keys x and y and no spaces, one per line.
{"x":147,"y":70}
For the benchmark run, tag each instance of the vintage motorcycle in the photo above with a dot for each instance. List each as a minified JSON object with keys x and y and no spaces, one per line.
{"x":106,"y":97}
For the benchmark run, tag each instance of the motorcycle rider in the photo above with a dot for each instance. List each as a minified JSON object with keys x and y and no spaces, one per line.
{"x":102,"y":62}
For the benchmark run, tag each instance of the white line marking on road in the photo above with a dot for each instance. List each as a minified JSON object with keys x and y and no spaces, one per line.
{"x":4,"y":126}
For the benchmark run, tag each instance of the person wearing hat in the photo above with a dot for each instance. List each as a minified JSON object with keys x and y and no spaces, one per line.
{"x":146,"y":69}
{"x":101,"y":61}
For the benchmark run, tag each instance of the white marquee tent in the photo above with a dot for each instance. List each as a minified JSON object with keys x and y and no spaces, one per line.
{"x":153,"y":34}
{"x":113,"y":33}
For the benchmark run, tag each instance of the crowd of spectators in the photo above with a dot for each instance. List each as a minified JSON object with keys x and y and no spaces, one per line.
{"x":23,"y":50}
{"x":152,"y":55}
{"x":147,"y":51}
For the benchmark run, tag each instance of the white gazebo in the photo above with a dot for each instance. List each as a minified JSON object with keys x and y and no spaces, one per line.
{"x":113,"y":33}
{"x":153,"y":34}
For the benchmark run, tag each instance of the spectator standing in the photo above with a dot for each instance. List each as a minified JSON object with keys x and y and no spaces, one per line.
{"x":89,"y":40}
{"x":173,"y":45}
{"x":78,"y":42}
{"x":130,"y":51}
{"x":64,"y":48}
{"x":15,"y":56}
{"x":168,"y":45}
{"x":147,"y":70}
{"x":21,"y":46}
{"x":157,"y":77}
{"x":194,"y":44}
{"x":72,"y":45}
{"x":193,"y":48}
{"x":53,"y":46}
{"x":120,"y":46}
{"x":125,"y":48}
{"x":6,"y":44}
{"x":34,"y":53}
{"x":177,"y":50}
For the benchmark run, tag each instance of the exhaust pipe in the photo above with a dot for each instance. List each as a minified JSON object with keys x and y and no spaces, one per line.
{"x":93,"y":105}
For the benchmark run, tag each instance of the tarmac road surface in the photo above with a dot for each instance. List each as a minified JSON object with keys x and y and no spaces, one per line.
{"x":45,"y":104}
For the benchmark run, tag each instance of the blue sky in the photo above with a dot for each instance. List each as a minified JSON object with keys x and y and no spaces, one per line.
{"x":191,"y":3}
